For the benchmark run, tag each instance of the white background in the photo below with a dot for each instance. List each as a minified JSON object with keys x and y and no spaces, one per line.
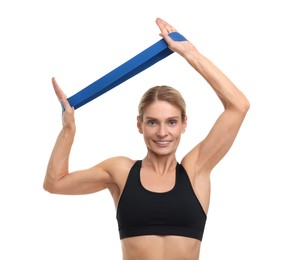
{"x":80,"y":41}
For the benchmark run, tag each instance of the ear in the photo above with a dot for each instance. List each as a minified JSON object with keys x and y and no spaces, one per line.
{"x":139,"y":124}
{"x":184,"y":124}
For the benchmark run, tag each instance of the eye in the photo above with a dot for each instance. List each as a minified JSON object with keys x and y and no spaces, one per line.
{"x":152,"y":122}
{"x":172,"y":122}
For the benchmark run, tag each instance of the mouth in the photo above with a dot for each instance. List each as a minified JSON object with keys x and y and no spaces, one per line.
{"x":162,"y":143}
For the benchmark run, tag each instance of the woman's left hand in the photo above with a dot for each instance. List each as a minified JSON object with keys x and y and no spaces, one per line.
{"x":181,"y":47}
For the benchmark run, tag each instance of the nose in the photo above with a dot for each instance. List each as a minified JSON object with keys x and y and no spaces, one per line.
{"x":162,"y":131}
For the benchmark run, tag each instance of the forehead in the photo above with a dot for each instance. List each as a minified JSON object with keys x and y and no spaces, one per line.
{"x":162,"y":109}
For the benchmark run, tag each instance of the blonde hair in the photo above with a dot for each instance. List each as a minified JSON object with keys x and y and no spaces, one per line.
{"x":162,"y":93}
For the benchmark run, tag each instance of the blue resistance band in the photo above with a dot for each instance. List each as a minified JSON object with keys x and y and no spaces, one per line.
{"x":135,"y":65}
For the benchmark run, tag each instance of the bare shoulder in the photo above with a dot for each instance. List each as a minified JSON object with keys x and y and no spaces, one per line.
{"x":190,"y":162}
{"x":116,"y":164}
{"x":117,"y":167}
{"x":193,"y":164}
{"x":199,"y":178}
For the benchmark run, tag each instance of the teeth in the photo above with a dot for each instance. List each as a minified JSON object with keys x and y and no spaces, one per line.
{"x":162,"y":142}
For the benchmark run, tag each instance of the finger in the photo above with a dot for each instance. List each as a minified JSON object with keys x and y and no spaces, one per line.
{"x":161,"y":25}
{"x":66,"y":106}
{"x":60,"y":95}
{"x":164,"y":27}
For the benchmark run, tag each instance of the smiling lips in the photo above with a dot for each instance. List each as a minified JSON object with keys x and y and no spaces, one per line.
{"x":162,"y":143}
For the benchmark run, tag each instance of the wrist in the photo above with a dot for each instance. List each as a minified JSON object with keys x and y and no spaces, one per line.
{"x":193,"y":57}
{"x":69,"y":130}
{"x":189,"y":51}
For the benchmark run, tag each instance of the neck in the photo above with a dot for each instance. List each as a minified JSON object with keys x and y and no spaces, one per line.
{"x":160,"y":164}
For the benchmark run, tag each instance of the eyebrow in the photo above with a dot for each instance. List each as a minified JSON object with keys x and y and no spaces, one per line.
{"x":171,"y":117}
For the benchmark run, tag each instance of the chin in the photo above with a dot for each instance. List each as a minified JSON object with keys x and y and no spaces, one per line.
{"x":163,"y":151}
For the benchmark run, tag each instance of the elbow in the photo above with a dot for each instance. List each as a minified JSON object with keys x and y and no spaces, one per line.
{"x":245,"y":106}
{"x":53,"y":182}
{"x":48,"y":188}
{"x":241,"y":106}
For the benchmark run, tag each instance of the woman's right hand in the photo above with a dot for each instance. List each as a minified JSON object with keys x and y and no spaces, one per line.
{"x":68,"y":118}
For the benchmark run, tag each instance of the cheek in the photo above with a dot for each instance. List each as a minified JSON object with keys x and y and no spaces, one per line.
{"x":178,"y":131}
{"x":146,"y":131}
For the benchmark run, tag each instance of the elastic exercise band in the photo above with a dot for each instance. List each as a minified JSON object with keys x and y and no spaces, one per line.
{"x":138,"y":63}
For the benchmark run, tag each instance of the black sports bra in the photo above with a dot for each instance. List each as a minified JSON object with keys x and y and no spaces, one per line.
{"x":176,"y":212}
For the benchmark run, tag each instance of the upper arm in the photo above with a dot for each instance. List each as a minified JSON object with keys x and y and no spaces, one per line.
{"x":84,"y":181}
{"x":80,"y":182}
{"x":218,"y":141}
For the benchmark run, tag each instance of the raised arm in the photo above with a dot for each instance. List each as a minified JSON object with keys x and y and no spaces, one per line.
{"x":58,"y":179}
{"x":223,"y":133}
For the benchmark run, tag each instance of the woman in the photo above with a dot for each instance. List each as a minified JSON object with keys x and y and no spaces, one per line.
{"x":161,"y":204}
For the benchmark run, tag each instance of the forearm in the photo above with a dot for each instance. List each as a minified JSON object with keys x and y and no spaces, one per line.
{"x":58,"y":165}
{"x":228,"y":93}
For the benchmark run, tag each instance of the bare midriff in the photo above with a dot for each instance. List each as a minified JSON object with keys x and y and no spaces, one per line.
{"x":160,"y":248}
